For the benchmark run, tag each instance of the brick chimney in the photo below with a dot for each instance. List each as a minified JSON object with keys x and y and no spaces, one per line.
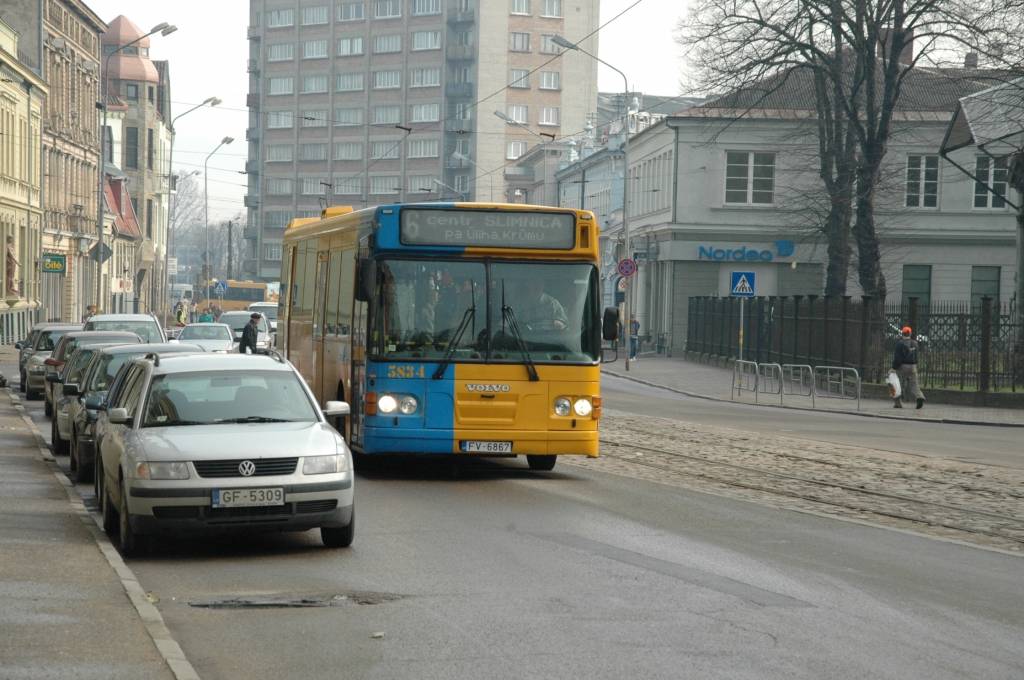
{"x":971,"y":60}
{"x":906,"y":54}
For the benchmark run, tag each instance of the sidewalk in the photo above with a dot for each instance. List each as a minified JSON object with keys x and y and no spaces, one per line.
{"x":710,"y":382}
{"x":64,"y":610}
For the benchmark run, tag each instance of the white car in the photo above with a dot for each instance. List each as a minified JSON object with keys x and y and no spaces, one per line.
{"x":212,"y":337}
{"x":238,"y":320}
{"x":194,"y":442}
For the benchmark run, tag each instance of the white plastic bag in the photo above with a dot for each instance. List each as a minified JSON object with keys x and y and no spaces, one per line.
{"x":894,"y":385}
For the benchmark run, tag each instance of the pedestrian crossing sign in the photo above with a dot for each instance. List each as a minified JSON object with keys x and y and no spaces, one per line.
{"x":743,"y":284}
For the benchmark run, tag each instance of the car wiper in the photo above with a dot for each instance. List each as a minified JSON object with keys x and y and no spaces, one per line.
{"x":172,"y":423}
{"x":252,"y":419}
{"x":449,"y":351}
{"x":509,"y":317}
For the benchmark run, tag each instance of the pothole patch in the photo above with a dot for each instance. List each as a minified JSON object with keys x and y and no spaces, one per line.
{"x":293,"y":600}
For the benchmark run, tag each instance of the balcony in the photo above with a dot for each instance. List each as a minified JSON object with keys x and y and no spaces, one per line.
{"x":252,"y":167}
{"x":519,"y":173}
{"x":466,"y":16}
{"x":250,"y":201}
{"x":249,"y":265}
{"x":252,"y":134}
{"x":254,"y":33}
{"x":460,"y":52}
{"x":251,"y":233}
{"x":252,"y":100}
{"x":252,"y":66}
{"x":458,"y":126}
{"x":456,"y":163}
{"x":459,"y":89}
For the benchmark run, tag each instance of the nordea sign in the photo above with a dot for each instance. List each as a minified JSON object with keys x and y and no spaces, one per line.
{"x":745,"y":253}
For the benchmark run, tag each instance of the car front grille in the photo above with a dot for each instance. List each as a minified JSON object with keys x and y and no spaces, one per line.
{"x":316,"y":506}
{"x":265,"y":467}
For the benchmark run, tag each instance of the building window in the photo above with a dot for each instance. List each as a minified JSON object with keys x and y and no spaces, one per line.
{"x":314,"y":84}
{"x":279,"y":18}
{"x":917,"y":283}
{"x":150,"y":149}
{"x":387,"y":80}
{"x":348,"y":47}
{"x":461,"y":38}
{"x":312,"y":16}
{"x":551,"y":9}
{"x":991,"y":172}
{"x":149,"y":218}
{"x":549,"y":115}
{"x":922,"y":181}
{"x":425,"y":77}
{"x":749,"y":178}
{"x":131,"y":92}
{"x":519,"y":113}
{"x":422,"y":148}
{"x":279,"y":152}
{"x":390,"y":114}
{"x":424,"y":113}
{"x":550,"y":80}
{"x":279,"y":186}
{"x":519,"y":78}
{"x":463,"y":111}
{"x":351,"y":11}
{"x":387,"y":149}
{"x":515,"y":149}
{"x":421,"y":184}
{"x":276,"y":219}
{"x":348,"y":151}
{"x":150,"y":94}
{"x":312,"y":152}
{"x":350,"y":82}
{"x":314,"y":49}
{"x":131,"y":147}
{"x":314,"y":119}
{"x":281,"y":52}
{"x":313,"y":186}
{"x":426,"y":40}
{"x":984,"y":283}
{"x":348,"y":116}
{"x":272,"y":252}
{"x":387,"y":9}
{"x":348,"y":186}
{"x":281,"y":86}
{"x":520,"y":7}
{"x":425,"y":7}
{"x":461,"y":183}
{"x":277,"y":120}
{"x":385,"y":184}
{"x":519,"y":42}
{"x":385,"y":44}
{"x":548,"y":46}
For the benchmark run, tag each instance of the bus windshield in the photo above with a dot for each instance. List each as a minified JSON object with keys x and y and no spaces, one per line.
{"x":546,"y":312}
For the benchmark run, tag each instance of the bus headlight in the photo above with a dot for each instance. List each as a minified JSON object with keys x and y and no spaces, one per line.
{"x":407,"y":405}
{"x":386,"y":403}
{"x":582,"y":407}
{"x":562,"y":406}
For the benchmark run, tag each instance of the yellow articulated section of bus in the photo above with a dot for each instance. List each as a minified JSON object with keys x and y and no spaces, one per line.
{"x":496,"y":403}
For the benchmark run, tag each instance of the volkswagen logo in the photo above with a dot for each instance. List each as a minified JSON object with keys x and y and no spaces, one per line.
{"x":247,"y":468}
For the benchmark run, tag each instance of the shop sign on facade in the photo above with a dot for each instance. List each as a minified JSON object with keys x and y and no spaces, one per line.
{"x":54,"y":263}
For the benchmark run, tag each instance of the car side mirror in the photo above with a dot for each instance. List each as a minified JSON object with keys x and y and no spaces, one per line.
{"x":367,"y":279}
{"x":19,"y":345}
{"x":52,"y":378}
{"x":610,"y":324}
{"x":118,"y":416}
{"x":71,"y":390}
{"x":337,"y":408}
{"x":94,"y":402}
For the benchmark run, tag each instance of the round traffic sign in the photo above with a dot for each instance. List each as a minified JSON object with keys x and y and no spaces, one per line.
{"x":627,"y":267}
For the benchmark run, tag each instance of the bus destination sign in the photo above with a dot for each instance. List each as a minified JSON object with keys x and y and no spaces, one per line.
{"x":488,"y":229}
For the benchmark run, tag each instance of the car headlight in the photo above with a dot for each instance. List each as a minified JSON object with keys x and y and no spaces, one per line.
{"x":582,"y":407}
{"x":408,"y":405}
{"x":386,"y":403}
{"x":322,"y":465}
{"x":562,"y":406}
{"x":161,"y":471}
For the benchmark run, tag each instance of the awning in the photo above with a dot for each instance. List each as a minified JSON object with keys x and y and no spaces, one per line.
{"x":992,"y":120}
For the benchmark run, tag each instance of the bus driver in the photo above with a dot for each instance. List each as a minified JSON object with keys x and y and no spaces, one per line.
{"x":541,"y":311}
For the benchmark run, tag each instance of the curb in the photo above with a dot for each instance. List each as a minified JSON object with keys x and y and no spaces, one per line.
{"x":168,"y":648}
{"x":695,"y":395}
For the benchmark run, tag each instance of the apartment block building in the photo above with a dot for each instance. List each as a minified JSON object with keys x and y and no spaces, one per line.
{"x":374,"y":101}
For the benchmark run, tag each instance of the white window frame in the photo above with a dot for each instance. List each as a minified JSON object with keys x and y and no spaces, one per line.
{"x":280,"y":120}
{"x":317,"y":157}
{"x":519,"y":79}
{"x":390,"y":108}
{"x":315,"y":83}
{"x":515,"y":37}
{"x":383,"y":185}
{"x":348,"y":186}
{"x":519,"y":7}
{"x":314,"y":49}
{"x":284,"y":84}
{"x":516,"y":148}
{"x":355,"y":120}
{"x":421,"y":184}
{"x":986,"y":173}
{"x":429,"y":76}
{"x":551,"y":9}
{"x":387,"y":43}
{"x":429,"y":147}
{"x":279,"y":153}
{"x":551,"y":80}
{"x":548,"y":46}
{"x":355,"y":46}
{"x":272,"y":252}
{"x":421,"y":8}
{"x":288,"y":48}
{"x":385,"y":149}
{"x":316,"y":15}
{"x":513,"y":111}
{"x":347,"y":11}
{"x":918,"y":163}
{"x":313,"y":119}
{"x":550,"y":115}
{"x":426,"y":40}
{"x":749,"y":178}
{"x":279,"y":186}
{"x":280,"y":18}
{"x":350,"y":82}
{"x":426,"y":112}
{"x":355,"y":151}
{"x":387,"y":9}
{"x":390,"y":79}
{"x":310,"y":186}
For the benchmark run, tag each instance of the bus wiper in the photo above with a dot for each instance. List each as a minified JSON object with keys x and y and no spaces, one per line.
{"x":453,"y":342}
{"x":509,"y":317}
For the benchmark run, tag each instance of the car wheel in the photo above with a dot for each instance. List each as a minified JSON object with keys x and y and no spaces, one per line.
{"x":59,"y":446}
{"x":47,"y":408}
{"x":132,"y":543}
{"x":541,"y":462}
{"x":83,"y":473}
{"x":30,"y":395}
{"x":339,"y":537}
{"x":106,"y":507}
{"x":24,"y":382}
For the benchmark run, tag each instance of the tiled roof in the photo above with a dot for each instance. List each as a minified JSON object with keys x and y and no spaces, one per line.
{"x":119,"y":204}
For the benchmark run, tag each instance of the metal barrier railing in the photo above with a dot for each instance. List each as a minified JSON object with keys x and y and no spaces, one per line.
{"x":798,"y":381}
{"x":837,"y":382}
{"x":769,"y":379}
{"x":744,"y":378}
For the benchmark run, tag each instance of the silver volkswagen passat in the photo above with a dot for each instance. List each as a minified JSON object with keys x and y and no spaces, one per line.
{"x":204,"y":442}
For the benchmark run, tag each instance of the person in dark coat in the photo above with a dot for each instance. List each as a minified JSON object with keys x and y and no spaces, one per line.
{"x":904,"y":362}
{"x":249,"y":334}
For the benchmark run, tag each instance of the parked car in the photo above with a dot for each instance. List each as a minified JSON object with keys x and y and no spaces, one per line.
{"x":34,"y":378}
{"x":218,"y":443}
{"x":25,"y":351}
{"x":64,"y":392}
{"x":92,"y":390}
{"x":212,"y":337}
{"x":66,"y":346}
{"x":237,"y":321}
{"x":145,"y":325}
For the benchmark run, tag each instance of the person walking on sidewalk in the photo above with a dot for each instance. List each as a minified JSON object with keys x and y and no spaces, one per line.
{"x":904,"y":362}
{"x":634,"y":337}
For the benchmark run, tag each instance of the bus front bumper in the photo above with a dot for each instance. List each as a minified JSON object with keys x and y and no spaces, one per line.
{"x":524,"y":442}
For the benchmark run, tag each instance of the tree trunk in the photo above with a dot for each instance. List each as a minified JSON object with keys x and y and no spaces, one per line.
{"x":869,"y":256}
{"x":837,"y":230}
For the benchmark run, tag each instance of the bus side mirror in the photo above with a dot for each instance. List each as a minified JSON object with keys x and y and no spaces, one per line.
{"x":610,"y":324}
{"x":367,"y":279}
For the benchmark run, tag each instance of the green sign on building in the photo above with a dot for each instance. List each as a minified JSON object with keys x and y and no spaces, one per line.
{"x":55,"y":263}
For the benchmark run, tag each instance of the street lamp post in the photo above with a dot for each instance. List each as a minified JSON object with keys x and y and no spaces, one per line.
{"x":212,"y":101}
{"x":627,"y":306}
{"x":162,"y":28}
{"x":206,"y":210}
{"x":490,"y":175}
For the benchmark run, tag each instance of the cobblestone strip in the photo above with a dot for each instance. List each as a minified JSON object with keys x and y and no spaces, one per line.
{"x":976,"y":504}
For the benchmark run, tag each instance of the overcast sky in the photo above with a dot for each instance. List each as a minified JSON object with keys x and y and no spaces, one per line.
{"x":208,"y":55}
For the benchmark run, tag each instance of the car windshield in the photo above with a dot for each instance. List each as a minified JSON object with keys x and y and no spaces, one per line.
{"x":227,"y":397}
{"x":487,"y":311}
{"x":268,"y":311}
{"x":149,"y":331}
{"x":205,"y":333}
{"x":109,"y":365}
{"x":48,"y":340}
{"x":79,"y":362}
{"x":237,"y":322}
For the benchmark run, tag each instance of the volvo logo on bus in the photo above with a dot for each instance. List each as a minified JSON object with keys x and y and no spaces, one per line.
{"x":487,"y":387}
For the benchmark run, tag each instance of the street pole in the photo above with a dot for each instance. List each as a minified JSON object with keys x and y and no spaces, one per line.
{"x":206,"y":210}
{"x":230,"y":276}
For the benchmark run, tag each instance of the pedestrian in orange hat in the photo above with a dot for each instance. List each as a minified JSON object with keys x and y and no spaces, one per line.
{"x":904,"y":362}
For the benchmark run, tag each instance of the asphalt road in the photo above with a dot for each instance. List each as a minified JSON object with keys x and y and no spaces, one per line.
{"x":505,"y":573}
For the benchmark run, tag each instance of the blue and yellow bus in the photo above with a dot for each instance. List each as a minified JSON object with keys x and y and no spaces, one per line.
{"x":450,"y":328}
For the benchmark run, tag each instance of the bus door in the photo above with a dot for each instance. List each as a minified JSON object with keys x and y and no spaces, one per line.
{"x":319,"y":299}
